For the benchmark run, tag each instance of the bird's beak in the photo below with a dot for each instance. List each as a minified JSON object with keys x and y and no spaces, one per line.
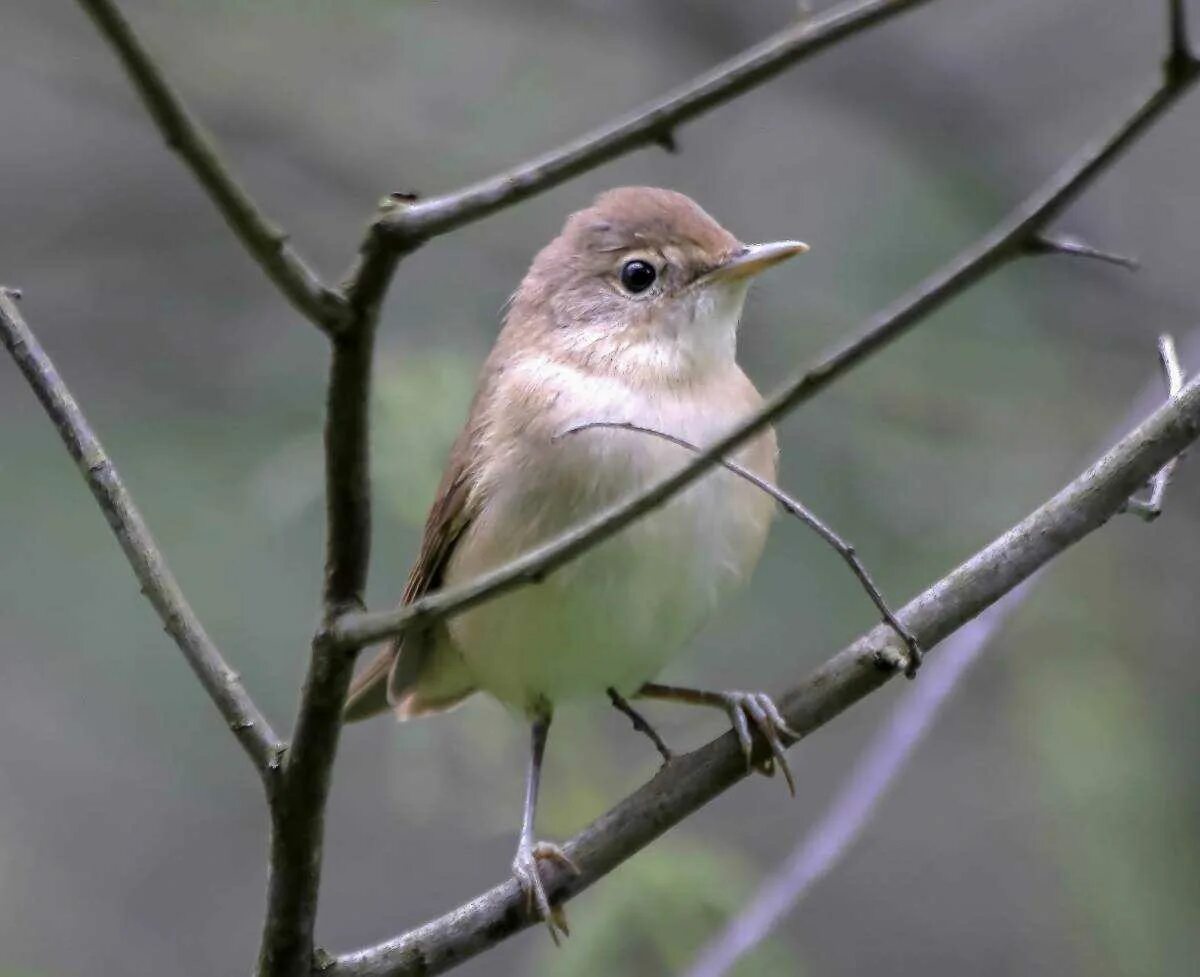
{"x":754,"y":258}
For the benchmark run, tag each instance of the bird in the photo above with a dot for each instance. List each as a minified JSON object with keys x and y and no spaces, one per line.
{"x":626,"y":320}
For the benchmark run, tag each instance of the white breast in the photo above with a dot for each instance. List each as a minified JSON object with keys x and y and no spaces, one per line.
{"x":615,"y":615}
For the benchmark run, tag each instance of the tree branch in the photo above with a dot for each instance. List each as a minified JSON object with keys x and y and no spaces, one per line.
{"x":1006,"y":240}
{"x":652,"y":124}
{"x":158,"y":584}
{"x":891,"y":747}
{"x":693,"y":780}
{"x":267,"y":244}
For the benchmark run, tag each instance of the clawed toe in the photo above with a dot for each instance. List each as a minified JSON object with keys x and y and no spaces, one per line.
{"x":758,"y":708}
{"x":529,"y":877}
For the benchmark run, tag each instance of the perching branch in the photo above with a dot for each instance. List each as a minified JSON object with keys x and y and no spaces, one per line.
{"x":1006,"y":240}
{"x":267,"y":244}
{"x":796,"y":508}
{"x":889,"y":751}
{"x":694,"y":779}
{"x":824,"y":845}
{"x":159,"y":585}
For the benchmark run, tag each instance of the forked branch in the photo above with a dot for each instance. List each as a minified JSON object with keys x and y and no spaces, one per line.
{"x":266,"y":242}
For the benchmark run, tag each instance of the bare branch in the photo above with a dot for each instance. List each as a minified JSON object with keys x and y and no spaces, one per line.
{"x":693,"y":780}
{"x":158,"y":584}
{"x":655,"y":123}
{"x":1151,"y":508}
{"x":1006,"y":240}
{"x":796,"y":508}
{"x":1073,"y":247}
{"x":822,"y":847}
{"x":298,"y":814}
{"x":267,"y":244}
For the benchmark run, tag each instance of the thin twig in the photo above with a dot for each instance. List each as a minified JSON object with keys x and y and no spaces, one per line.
{"x":823,"y":846}
{"x":1150,"y":508}
{"x":1073,"y":247}
{"x":1006,"y":240}
{"x":158,"y":584}
{"x":794,"y":507}
{"x":267,"y":244}
{"x":692,"y":780}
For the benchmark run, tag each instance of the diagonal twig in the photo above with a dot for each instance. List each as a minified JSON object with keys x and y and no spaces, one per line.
{"x":1006,"y":240}
{"x":694,"y":779}
{"x":267,"y":244}
{"x":795,"y":507}
{"x":159,"y":585}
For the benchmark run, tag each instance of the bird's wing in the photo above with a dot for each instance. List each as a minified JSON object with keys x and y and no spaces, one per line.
{"x":390,"y":680}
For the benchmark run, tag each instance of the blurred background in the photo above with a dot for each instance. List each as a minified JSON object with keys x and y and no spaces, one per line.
{"x":1049,"y":825}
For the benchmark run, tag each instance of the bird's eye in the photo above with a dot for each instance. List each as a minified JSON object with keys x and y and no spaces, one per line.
{"x":637,"y":275}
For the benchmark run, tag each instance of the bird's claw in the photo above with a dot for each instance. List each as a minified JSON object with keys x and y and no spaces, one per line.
{"x":758,"y":708}
{"x":529,"y":878}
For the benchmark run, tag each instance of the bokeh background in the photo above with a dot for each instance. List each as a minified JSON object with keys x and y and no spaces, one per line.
{"x":1049,"y":826}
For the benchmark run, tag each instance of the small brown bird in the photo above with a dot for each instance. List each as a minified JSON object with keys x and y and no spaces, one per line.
{"x":629,"y":316}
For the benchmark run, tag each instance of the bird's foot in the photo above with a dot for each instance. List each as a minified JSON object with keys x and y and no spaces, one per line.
{"x":525,"y":870}
{"x":758,"y":708}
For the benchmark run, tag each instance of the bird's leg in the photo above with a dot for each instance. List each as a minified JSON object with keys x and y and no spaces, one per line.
{"x":530,"y":852}
{"x":743,"y":709}
{"x":640,"y":724}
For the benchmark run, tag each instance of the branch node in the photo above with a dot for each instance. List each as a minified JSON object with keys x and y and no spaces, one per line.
{"x":888,"y":659}
{"x":666,"y":139}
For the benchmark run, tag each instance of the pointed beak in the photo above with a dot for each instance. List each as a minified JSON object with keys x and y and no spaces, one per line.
{"x":754,"y":258}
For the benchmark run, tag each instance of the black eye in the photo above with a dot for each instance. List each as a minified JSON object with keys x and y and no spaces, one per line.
{"x":637,"y":276}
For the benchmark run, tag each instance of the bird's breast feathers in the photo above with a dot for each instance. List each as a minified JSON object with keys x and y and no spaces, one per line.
{"x":614,"y":615}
